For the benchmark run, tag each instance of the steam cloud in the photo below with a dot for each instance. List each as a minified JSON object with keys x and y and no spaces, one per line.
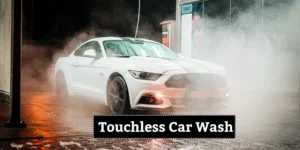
{"x":260,"y":57}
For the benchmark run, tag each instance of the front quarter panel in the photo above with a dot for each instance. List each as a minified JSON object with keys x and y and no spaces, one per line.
{"x":63,"y":64}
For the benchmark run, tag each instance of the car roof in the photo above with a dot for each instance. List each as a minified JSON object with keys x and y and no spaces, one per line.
{"x":101,"y":39}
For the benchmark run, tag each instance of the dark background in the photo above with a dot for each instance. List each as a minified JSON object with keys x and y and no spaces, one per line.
{"x":52,"y":22}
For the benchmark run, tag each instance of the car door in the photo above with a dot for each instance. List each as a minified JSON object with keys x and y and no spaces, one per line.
{"x":91,"y":71}
{"x":74,"y":72}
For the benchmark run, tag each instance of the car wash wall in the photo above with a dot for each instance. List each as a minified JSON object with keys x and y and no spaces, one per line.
{"x":257,"y":41}
{"x":5,"y":47}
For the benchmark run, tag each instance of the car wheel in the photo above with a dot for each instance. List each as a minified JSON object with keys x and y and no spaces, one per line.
{"x":62,"y":93}
{"x":118,"y":99}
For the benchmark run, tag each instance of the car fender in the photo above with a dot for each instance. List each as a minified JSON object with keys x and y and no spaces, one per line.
{"x":63,"y":65}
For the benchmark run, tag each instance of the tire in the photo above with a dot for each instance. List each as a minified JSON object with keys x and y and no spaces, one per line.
{"x":117,"y":95}
{"x":62,"y":93}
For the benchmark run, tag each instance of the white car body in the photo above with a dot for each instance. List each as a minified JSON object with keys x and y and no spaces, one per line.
{"x":90,"y":77}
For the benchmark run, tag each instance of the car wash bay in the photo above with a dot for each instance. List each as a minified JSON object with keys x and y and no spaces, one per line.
{"x":263,"y":120}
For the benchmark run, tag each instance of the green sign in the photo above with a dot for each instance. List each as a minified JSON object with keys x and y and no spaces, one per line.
{"x":187,"y":9}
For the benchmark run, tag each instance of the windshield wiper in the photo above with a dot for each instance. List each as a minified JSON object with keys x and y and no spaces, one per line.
{"x":123,"y":56}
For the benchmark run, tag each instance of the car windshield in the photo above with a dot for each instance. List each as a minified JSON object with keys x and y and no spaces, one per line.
{"x":122,"y":48}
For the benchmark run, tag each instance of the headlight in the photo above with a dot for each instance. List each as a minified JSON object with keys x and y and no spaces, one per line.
{"x":145,"y":75}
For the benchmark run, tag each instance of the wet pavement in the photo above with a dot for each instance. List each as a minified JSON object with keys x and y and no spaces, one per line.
{"x":263,"y":122}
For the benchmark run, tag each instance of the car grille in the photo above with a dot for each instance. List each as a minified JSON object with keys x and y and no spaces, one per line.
{"x":203,"y":81}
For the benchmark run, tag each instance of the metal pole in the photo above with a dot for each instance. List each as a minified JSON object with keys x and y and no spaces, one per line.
{"x":230,"y":10}
{"x":178,"y":27}
{"x":32,"y":16}
{"x":203,"y":14}
{"x":203,"y":10}
{"x":138,"y":19}
{"x":262,"y":13}
{"x":15,"y":89}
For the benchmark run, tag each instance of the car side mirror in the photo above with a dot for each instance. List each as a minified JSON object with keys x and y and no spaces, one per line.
{"x":90,"y":53}
{"x":180,"y":55}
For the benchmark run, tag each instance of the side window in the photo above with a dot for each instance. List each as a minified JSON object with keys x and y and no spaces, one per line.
{"x":90,"y":45}
{"x":96,"y":46}
{"x":79,"y":51}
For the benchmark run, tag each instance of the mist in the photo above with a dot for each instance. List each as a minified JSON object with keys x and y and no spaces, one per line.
{"x":258,"y":56}
{"x":262,"y":60}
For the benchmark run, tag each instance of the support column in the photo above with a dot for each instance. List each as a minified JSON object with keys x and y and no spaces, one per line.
{"x":15,"y":95}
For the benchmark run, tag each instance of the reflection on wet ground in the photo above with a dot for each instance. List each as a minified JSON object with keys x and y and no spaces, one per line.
{"x":60,"y":118}
{"x":262,"y":123}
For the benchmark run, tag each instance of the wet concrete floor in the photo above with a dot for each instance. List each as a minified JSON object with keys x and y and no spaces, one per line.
{"x":262,"y":123}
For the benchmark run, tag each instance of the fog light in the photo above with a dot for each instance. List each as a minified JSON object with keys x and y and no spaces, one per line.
{"x":152,"y":99}
{"x":159,"y":96}
{"x":158,"y":101}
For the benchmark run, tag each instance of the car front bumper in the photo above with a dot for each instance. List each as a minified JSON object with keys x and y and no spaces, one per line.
{"x":172,"y":97}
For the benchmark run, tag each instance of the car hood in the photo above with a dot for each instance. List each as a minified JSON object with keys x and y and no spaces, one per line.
{"x":161,"y":65}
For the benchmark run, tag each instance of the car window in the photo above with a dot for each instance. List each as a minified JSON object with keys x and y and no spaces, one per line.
{"x":90,"y":45}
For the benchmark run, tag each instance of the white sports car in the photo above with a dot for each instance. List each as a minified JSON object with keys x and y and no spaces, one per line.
{"x":127,"y":73}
